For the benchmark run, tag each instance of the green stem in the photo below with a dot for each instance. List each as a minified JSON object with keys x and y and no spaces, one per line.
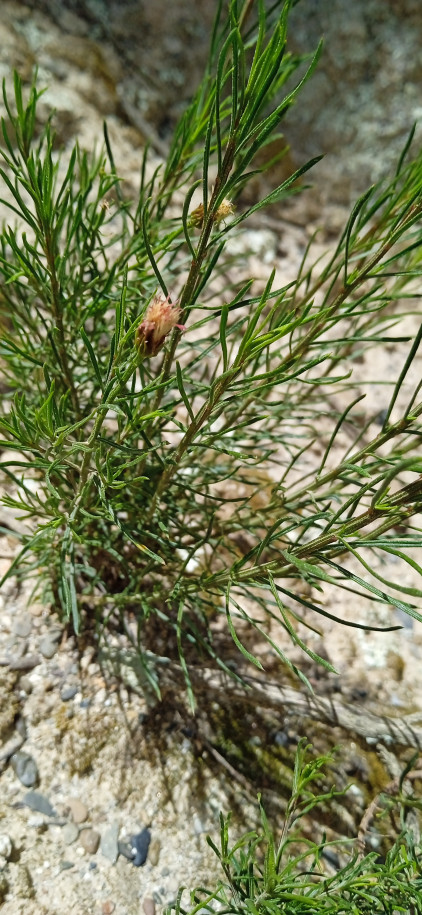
{"x":397,"y":511}
{"x":335,"y":266}
{"x":90,"y":444}
{"x":195,"y":426}
{"x":397,"y":429}
{"x":58,"y":317}
{"x":196,"y":265}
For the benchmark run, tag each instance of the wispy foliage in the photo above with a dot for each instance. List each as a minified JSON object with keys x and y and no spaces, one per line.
{"x":269,"y":873}
{"x":135,"y":397}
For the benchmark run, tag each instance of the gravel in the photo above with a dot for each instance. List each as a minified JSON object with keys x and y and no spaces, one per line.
{"x":25,"y":768}
{"x":70,"y":833}
{"x":140,"y":843}
{"x":109,"y":843}
{"x":90,"y":840}
{"x":39,"y":802}
{"x":6,"y":846}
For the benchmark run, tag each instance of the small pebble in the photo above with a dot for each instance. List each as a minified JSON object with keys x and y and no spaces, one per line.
{"x":25,"y":684}
{"x":48,"y":646}
{"x":90,"y":840}
{"x":68,"y":692}
{"x":66,"y":865}
{"x":403,"y":618}
{"x":358,"y":794}
{"x":26,"y":663}
{"x":16,"y":649}
{"x":6,"y":846}
{"x":6,"y":621}
{"x":107,"y":907}
{"x":70,"y":833}
{"x":22,"y":626}
{"x":36,"y":609}
{"x":37,"y":821}
{"x":39,"y":802}
{"x":21,"y":727}
{"x":140,"y":843}
{"x":198,"y":825}
{"x":172,"y":887}
{"x":148,"y":906}
{"x":78,"y":810}
{"x":25,"y":768}
{"x":125,"y":850}
{"x":380,"y":418}
{"x":281,"y":739}
{"x":109,"y":843}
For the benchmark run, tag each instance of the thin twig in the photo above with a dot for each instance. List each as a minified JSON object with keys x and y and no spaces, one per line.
{"x":367,"y":724}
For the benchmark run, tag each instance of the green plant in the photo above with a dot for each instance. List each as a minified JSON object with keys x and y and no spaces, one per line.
{"x":145,"y":379}
{"x":264,"y":873}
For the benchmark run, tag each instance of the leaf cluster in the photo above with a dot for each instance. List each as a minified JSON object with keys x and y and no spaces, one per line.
{"x":263,"y":874}
{"x":171,"y":490}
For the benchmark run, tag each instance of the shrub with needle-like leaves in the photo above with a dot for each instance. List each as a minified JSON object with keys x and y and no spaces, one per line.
{"x":152,"y":394}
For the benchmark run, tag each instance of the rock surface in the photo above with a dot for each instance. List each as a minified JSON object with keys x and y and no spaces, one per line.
{"x":365,"y":91}
{"x":360,"y":105}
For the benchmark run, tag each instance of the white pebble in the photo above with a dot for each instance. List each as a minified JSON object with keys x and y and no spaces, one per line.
{"x":6,"y":846}
{"x":36,"y":820}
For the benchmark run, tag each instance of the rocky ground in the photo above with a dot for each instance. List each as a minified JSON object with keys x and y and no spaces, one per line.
{"x":85,"y":773}
{"x":106,"y":799}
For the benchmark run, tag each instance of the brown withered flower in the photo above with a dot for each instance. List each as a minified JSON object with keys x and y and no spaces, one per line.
{"x":225,"y":209}
{"x":159,"y":319}
{"x":197,"y":216}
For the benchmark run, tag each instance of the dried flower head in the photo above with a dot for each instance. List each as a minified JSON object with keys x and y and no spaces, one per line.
{"x":197,"y":216}
{"x":159,"y":319}
{"x":225,"y":209}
